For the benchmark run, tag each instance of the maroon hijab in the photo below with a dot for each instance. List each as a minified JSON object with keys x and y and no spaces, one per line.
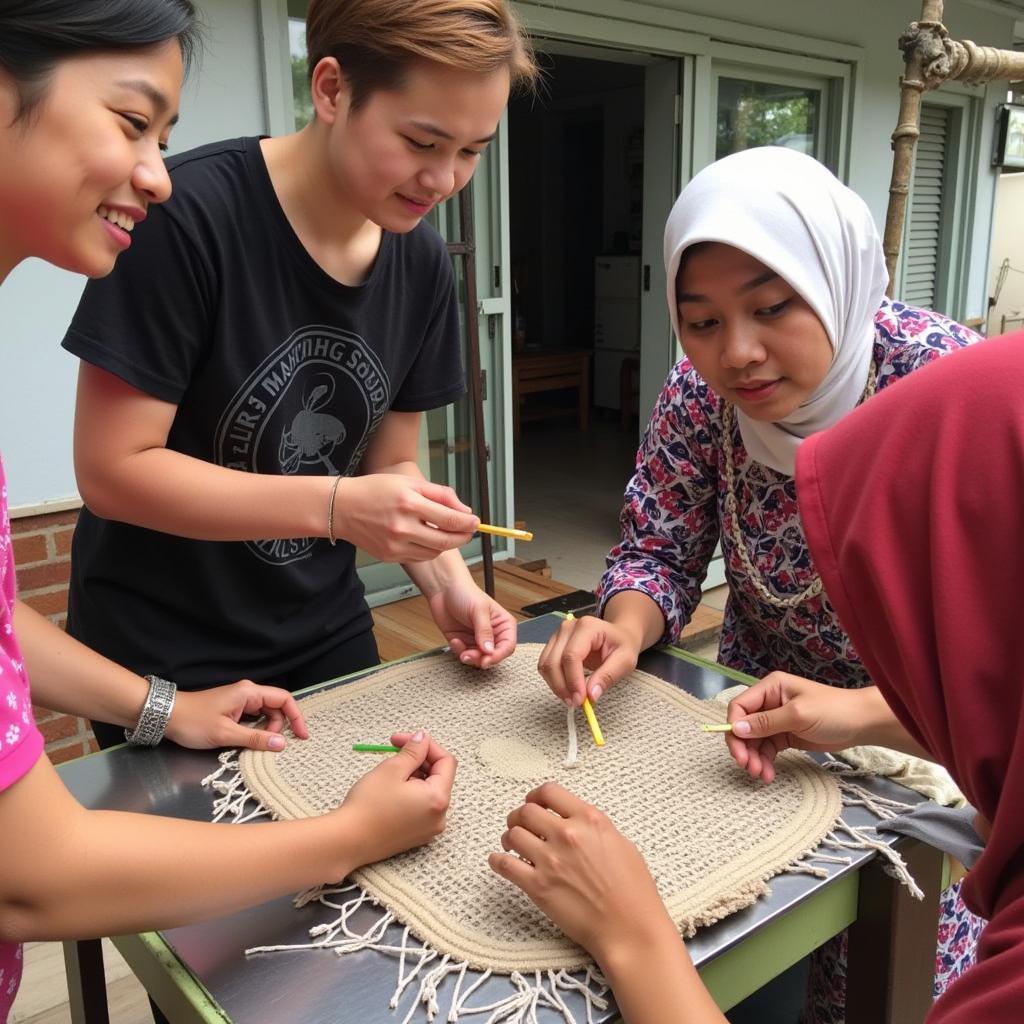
{"x":913,"y":507}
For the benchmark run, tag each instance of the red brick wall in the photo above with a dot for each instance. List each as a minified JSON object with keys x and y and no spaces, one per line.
{"x":42,"y":554}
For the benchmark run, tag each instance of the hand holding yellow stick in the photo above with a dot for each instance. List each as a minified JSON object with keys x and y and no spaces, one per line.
{"x":588,"y":710}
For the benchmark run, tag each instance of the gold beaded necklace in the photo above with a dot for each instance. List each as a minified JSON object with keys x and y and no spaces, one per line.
{"x":731,"y":511}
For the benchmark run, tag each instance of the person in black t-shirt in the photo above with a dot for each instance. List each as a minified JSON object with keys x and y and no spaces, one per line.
{"x":255,"y":370}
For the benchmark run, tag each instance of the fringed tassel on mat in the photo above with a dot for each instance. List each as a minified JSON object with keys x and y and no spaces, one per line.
{"x":419,"y":963}
{"x":422,"y":964}
{"x":862,"y":837}
{"x":231,"y":804}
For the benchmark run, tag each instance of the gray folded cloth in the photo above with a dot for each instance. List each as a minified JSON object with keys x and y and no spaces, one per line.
{"x":949,"y":829}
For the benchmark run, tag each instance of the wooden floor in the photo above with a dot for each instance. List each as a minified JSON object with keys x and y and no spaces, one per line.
{"x":402,"y":628}
{"x":405,"y":627}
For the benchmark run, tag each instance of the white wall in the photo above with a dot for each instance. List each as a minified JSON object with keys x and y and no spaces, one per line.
{"x":224,"y":98}
{"x":1008,"y":243}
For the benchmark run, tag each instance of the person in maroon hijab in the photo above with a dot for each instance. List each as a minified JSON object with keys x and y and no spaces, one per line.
{"x":922,"y":554}
{"x":912,"y":508}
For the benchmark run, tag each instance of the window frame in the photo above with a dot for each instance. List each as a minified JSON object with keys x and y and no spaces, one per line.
{"x":832,"y":79}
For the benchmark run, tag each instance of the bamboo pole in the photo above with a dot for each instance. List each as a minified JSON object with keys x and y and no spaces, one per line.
{"x":976,"y":65}
{"x":931,"y":58}
{"x":904,"y":137}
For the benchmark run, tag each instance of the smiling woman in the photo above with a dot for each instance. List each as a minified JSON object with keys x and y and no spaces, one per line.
{"x":88,"y":94}
{"x":94,"y":154}
{"x":87,"y":101}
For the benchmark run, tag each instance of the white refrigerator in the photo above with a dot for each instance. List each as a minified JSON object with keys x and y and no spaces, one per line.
{"x":616,"y":326}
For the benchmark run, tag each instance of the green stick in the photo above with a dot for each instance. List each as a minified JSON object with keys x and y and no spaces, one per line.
{"x":376,"y":748}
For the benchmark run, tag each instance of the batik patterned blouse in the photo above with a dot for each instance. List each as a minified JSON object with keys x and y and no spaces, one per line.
{"x":674,"y":514}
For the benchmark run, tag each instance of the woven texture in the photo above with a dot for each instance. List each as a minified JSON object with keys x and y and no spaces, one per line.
{"x":711,"y":836}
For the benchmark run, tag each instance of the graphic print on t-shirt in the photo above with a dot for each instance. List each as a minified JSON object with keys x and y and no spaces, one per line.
{"x":310,"y":407}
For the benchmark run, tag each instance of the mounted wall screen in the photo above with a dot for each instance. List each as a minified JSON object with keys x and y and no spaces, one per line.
{"x":1008,"y":148}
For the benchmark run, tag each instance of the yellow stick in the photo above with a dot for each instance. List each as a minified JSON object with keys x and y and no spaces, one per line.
{"x":595,"y":729}
{"x":716,"y":727}
{"x":588,"y":710}
{"x":505,"y":531}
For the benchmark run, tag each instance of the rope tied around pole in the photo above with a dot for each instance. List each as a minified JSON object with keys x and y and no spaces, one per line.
{"x":936,"y":53}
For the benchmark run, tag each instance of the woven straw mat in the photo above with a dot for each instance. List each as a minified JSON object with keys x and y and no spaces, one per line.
{"x":711,"y":835}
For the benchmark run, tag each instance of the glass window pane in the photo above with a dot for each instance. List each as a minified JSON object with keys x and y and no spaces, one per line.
{"x":766,"y":114}
{"x":303,"y":105}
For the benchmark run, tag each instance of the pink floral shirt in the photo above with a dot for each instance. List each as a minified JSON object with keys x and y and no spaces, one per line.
{"x":20,"y":740}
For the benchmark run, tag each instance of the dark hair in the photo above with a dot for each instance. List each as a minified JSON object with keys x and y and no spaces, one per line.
{"x":376,"y":41}
{"x":36,"y":35}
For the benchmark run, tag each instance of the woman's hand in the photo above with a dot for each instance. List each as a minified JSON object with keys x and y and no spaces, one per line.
{"x":788,"y":711}
{"x":402,"y":803}
{"x":583,"y":873}
{"x":479,"y":631}
{"x":211,"y":718}
{"x":401,"y":518}
{"x":783,"y":711}
{"x":609,"y":650}
{"x":593,"y":883}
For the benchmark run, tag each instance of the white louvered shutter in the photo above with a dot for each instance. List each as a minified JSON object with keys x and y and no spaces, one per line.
{"x":924,"y":236}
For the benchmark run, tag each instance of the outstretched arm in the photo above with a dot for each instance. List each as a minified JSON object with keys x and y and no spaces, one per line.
{"x":783,"y":711}
{"x":69,"y":677}
{"x":126,"y":472}
{"x":74,"y":873}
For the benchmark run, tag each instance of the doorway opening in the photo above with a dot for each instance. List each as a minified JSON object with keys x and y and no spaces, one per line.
{"x":576,"y":212}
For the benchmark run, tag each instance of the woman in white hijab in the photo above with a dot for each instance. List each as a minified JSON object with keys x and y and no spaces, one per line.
{"x":776,"y":287}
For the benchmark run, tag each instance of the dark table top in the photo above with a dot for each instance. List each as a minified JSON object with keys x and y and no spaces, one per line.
{"x":315,"y":986}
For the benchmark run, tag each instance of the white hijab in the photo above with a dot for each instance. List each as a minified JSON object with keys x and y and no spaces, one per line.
{"x":791,"y":213}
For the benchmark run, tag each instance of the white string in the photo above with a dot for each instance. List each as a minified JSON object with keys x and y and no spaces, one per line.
{"x":430,"y":969}
{"x":234,"y":793}
{"x":572,"y":756}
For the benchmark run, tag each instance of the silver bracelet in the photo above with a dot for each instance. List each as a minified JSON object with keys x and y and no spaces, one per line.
{"x":156,"y":713}
{"x":330,"y":512}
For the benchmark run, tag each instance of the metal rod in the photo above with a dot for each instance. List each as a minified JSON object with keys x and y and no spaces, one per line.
{"x":904,"y":137}
{"x":467,"y":249}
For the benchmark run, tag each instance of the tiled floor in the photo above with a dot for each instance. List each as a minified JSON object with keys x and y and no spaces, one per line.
{"x":569,"y":490}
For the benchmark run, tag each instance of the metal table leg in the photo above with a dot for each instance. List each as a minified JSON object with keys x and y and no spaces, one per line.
{"x":87,"y":983}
